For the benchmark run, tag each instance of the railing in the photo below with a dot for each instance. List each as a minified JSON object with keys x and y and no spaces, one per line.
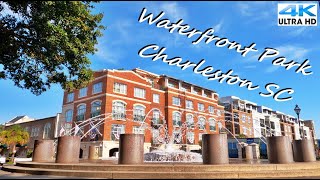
{"x":156,"y":121}
{"x":119,"y":116}
{"x":138,"y":117}
{"x":96,"y":113}
{"x":177,"y":123}
{"x":80,"y":117}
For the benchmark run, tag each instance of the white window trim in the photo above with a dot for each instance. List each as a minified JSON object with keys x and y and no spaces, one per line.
{"x":120,"y":92}
{"x":93,"y":88}
{"x":80,"y":93}
{"x":158,"y":98}
{"x":173,"y":101}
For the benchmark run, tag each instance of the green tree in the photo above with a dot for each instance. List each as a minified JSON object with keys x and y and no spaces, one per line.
{"x":12,"y":136}
{"x":47,"y":42}
{"x":242,"y":136}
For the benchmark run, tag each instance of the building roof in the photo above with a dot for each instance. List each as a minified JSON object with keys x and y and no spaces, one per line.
{"x":15,"y":119}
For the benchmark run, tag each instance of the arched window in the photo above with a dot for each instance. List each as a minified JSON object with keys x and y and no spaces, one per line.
{"x":138,"y":113}
{"x":202,"y":123}
{"x":176,"y":119}
{"x":118,"y":110}
{"x":156,"y":117}
{"x":190,"y":121}
{"x":212,"y":124}
{"x":81,"y":112}
{"x":46,"y":131}
{"x":95,"y":108}
{"x":69,"y":114}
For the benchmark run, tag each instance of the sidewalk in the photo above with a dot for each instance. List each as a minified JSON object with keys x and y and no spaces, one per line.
{"x":9,"y":175}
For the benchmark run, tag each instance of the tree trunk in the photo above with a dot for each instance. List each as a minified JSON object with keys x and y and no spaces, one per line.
{"x":13,"y":153}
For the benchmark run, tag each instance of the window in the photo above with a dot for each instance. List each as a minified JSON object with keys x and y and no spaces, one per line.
{"x":176,"y":101}
{"x":139,"y":93}
{"x":212,"y":124}
{"x":138,"y":130}
{"x":219,"y":112}
{"x":26,"y":128}
{"x":202,"y":123}
{"x":156,"y":117}
{"x":35,"y":132}
{"x":118,"y":110}
{"x":176,"y":119}
{"x":189,"y":104}
{"x":116,"y":130}
{"x":177,"y":137}
{"x":156,"y":98}
{"x":138,"y":113}
{"x":170,"y":84}
{"x":190,"y":137}
{"x":70,"y":97}
{"x":97,"y":88}
{"x":244,"y":130}
{"x":190,"y":121}
{"x":69,"y":114}
{"x":46,"y":131}
{"x":200,"y":107}
{"x":211,"y":109}
{"x":81,"y":112}
{"x":83,"y":92}
{"x":95,"y":108}
{"x":244,"y":118}
{"x":155,"y":136}
{"x":120,"y":88}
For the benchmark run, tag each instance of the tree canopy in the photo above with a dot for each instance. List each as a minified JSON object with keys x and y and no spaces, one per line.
{"x":47,"y":42}
{"x":14,"y":135}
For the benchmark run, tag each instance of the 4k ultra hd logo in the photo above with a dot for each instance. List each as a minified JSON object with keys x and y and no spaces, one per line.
{"x":298,"y":14}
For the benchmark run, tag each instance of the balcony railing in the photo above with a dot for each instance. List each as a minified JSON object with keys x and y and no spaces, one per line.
{"x":177,"y":123}
{"x":80,"y":117}
{"x":156,"y":121}
{"x":138,"y":117}
{"x":119,"y":116}
{"x":96,"y":113}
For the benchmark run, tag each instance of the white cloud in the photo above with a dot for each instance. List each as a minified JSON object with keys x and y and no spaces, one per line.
{"x":173,"y":10}
{"x":290,"y":52}
{"x":218,"y":26}
{"x":106,"y":54}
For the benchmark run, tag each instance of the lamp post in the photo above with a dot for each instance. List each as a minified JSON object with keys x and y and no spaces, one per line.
{"x":297,"y":110}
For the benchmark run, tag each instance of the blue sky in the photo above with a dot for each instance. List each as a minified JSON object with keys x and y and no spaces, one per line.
{"x":243,"y":22}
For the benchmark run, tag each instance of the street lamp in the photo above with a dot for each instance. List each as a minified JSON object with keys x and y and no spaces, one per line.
{"x":297,"y":110}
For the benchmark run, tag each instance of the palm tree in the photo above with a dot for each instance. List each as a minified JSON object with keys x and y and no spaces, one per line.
{"x":12,"y":136}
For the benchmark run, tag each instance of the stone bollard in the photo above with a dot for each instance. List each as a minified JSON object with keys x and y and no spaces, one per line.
{"x":279,"y":150}
{"x":249,"y":153}
{"x":215,"y":149}
{"x":131,"y":149}
{"x":303,"y":150}
{"x":255,"y":150}
{"x":68,"y":150}
{"x":93,"y":153}
{"x":43,"y":151}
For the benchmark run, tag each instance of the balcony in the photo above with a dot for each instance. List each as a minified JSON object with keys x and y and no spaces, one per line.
{"x":118,"y":116}
{"x":94,"y":114}
{"x":156,"y":122}
{"x":177,"y":123}
{"x":138,"y":117}
{"x":80,"y":117}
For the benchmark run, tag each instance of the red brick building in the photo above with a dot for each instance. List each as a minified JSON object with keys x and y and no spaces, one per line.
{"x":126,"y":98}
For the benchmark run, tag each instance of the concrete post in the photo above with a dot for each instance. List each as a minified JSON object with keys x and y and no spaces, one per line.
{"x":131,"y":149}
{"x":303,"y":150}
{"x":43,"y":151}
{"x":68,"y":150}
{"x":93,"y":153}
{"x":255,"y":150}
{"x":279,"y":150}
{"x":215,"y":149}
{"x":249,"y":153}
